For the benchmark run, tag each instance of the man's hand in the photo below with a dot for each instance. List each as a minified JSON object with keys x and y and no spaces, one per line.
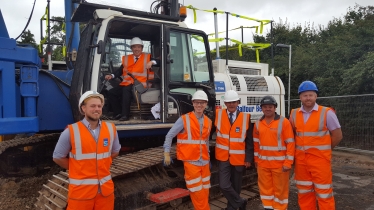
{"x":255,"y":165}
{"x":108,"y":77}
{"x":285,"y":168}
{"x":167,"y":159}
{"x":247,"y":164}
{"x":149,"y":64}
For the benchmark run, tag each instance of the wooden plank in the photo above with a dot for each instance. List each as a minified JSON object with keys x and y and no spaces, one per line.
{"x":213,"y":207}
{"x":245,"y":196}
{"x":222,"y":199}
{"x":218,"y":203}
{"x":251,"y":194}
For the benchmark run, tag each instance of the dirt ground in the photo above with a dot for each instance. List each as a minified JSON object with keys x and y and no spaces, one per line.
{"x":353,"y":182}
{"x":353,"y":186}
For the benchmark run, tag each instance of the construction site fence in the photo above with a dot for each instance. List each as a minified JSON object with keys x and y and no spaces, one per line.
{"x":356,"y":117}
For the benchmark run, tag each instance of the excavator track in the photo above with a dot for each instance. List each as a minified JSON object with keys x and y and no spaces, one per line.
{"x":135,"y":175}
{"x":19,"y":142}
{"x":27,"y":156}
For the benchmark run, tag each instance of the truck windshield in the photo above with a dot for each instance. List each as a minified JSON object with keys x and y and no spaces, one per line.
{"x":189,"y":61}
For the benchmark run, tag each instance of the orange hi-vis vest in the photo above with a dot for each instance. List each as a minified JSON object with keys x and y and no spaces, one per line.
{"x":192,"y":141}
{"x":89,"y":161}
{"x":230,"y":140}
{"x":313,"y":136}
{"x":274,"y":143}
{"x":138,"y":69}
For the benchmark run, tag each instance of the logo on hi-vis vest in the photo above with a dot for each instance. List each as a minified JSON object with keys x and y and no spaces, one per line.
{"x":237,"y":129}
{"x":105,"y":142}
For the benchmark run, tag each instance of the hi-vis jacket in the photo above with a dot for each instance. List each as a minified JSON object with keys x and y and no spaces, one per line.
{"x":89,"y":161}
{"x":138,"y":69}
{"x":313,"y":136}
{"x":230,"y":140}
{"x":192,"y":141}
{"x":274,"y":143}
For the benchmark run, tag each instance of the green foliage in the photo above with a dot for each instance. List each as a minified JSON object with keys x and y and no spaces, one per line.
{"x":28,"y":38}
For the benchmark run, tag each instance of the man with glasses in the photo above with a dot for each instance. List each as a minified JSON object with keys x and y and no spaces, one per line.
{"x":234,"y":149}
{"x":192,"y":131}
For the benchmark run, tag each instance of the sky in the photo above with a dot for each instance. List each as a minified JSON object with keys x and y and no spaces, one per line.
{"x":317,"y":12}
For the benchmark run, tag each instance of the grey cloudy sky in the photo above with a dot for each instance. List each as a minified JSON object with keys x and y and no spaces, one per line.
{"x":319,"y":12}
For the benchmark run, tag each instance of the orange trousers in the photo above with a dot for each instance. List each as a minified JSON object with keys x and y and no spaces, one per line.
{"x":274,"y":187}
{"x":313,"y":178}
{"x":98,"y":203}
{"x":198,"y":183}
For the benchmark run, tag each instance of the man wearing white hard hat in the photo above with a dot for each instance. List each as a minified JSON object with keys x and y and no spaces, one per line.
{"x":234,"y":149}
{"x":192,"y":131}
{"x":91,"y":145}
{"x":139,"y":64}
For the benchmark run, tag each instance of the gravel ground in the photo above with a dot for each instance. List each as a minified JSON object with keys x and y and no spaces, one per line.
{"x":353,"y":186}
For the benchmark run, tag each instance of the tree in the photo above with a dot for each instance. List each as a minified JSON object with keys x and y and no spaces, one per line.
{"x":28,"y":38}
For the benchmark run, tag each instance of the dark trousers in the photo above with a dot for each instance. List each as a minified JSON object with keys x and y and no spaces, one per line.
{"x":120,"y":99}
{"x":230,"y":182}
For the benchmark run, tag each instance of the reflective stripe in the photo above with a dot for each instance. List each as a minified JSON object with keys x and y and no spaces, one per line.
{"x":256,"y":153}
{"x":244,"y":125}
{"x":189,"y":136}
{"x":321,"y":147}
{"x":306,"y":183}
{"x":280,"y":126}
{"x":195,"y":189}
{"x":219,"y":120}
{"x":219,"y":134}
{"x":83,"y":181}
{"x":222,"y":146}
{"x":206,"y":186}
{"x":289,"y":140}
{"x":268,"y":207}
{"x":323,"y":186}
{"x":191,"y":141}
{"x":256,"y":140}
{"x":293,"y":116}
{"x":281,"y":201}
{"x":236,"y":140}
{"x":322,"y":119}
{"x":205,"y":179}
{"x":267,"y":197}
{"x":305,"y":191}
{"x":256,"y":123}
{"x":324,"y":195}
{"x":103,"y":155}
{"x":237,"y":152}
{"x":289,"y":157}
{"x":270,"y":148}
{"x":271,"y":157}
{"x":89,"y":181}
{"x":82,"y":156}
{"x":318,"y":133}
{"x":105,"y":179}
{"x":193,"y":181}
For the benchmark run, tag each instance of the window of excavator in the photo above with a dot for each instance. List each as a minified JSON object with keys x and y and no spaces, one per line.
{"x":188,"y":53}
{"x":120,"y":47}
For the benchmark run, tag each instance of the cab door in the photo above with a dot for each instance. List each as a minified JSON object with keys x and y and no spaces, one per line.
{"x":187,"y":68}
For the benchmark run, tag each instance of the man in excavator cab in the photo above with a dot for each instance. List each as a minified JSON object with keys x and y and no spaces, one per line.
{"x":137,"y":65}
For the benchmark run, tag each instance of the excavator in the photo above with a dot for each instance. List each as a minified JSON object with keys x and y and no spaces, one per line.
{"x":37,"y":104}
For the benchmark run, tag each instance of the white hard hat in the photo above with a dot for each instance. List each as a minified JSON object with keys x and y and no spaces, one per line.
{"x":200,"y":95}
{"x":136,"y":40}
{"x":89,"y":94}
{"x":230,"y":96}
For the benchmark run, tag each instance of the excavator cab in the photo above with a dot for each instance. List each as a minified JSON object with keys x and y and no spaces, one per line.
{"x":184,"y":64}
